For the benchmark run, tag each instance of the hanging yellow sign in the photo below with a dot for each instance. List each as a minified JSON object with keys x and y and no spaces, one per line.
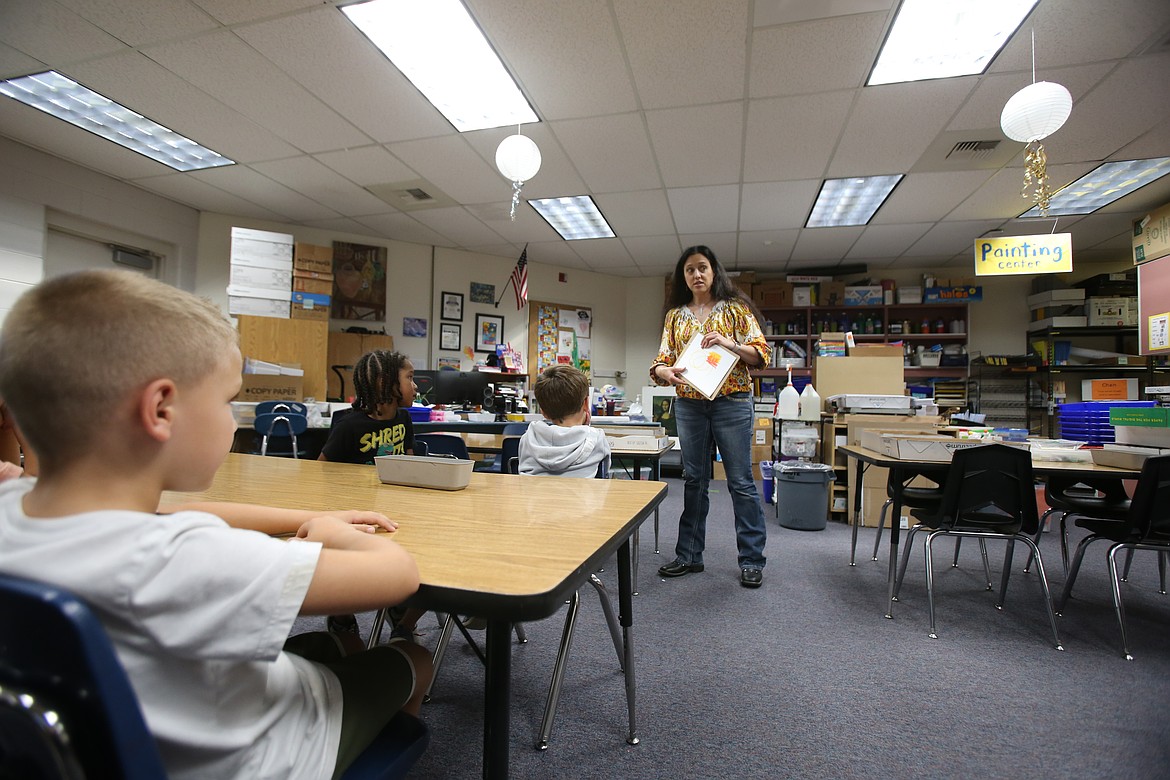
{"x":1044,"y":254}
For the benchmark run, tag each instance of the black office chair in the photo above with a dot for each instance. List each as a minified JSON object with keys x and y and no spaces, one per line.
{"x":1146,"y":526}
{"x":67,"y":709}
{"x":989,"y":494}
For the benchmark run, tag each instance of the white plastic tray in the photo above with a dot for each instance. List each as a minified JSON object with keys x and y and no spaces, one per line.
{"x":423,"y":471}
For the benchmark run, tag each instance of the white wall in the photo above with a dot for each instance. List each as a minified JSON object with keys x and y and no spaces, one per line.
{"x":22,"y":249}
{"x":416,"y":277}
{"x":86,"y":203}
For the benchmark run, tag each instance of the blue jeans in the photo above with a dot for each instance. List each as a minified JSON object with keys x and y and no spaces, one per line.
{"x":727,"y":420}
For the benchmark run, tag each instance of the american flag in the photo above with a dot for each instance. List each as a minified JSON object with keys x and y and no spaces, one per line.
{"x":520,"y":279}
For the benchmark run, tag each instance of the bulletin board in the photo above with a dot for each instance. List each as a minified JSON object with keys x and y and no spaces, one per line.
{"x":559,"y":333}
{"x":1154,"y":307}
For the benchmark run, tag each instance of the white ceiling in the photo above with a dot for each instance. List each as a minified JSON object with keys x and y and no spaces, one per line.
{"x":688,"y":121}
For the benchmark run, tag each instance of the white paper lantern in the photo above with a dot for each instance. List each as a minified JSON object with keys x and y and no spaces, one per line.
{"x":518,"y":158}
{"x":1036,"y":111}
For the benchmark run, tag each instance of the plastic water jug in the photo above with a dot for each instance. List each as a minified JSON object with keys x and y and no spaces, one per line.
{"x":810,"y":404}
{"x":788,"y":407}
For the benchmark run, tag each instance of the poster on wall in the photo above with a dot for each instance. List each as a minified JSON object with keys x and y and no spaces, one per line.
{"x":483,"y":293}
{"x":359,"y":282}
{"x":415,"y":327}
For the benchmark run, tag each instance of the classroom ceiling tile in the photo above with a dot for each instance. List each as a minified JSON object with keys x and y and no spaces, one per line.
{"x":688,"y":123}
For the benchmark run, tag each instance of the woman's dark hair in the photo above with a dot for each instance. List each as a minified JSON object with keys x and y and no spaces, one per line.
{"x":722,"y":288}
{"x":375,"y":380}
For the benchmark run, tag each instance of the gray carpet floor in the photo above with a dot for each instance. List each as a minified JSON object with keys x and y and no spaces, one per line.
{"x":806,"y":678}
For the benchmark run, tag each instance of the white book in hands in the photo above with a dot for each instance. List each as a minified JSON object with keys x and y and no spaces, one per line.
{"x":706,"y":367}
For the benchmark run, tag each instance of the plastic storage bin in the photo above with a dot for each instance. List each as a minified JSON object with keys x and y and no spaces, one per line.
{"x":802,"y":494}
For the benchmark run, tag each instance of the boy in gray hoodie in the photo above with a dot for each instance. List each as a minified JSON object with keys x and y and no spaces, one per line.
{"x":563,"y":444}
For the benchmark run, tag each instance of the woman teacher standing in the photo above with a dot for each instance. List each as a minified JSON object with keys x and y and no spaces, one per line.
{"x":703,"y":299}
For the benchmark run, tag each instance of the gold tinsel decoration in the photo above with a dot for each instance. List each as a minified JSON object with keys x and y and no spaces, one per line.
{"x":1036,"y":177}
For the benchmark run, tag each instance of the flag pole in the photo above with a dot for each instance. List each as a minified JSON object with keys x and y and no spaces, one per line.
{"x":511,"y":281}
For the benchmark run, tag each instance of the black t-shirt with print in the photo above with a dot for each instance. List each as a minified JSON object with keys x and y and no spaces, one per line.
{"x":356,"y":438}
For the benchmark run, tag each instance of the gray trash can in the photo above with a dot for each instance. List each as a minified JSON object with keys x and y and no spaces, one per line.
{"x":802,"y":494}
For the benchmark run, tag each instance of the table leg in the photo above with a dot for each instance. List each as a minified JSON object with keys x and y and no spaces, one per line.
{"x":497,"y":695}
{"x":626,"y":618}
{"x":858,"y":476}
{"x":899,"y":480}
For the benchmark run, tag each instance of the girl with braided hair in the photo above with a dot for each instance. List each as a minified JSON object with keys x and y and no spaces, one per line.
{"x":379,"y":423}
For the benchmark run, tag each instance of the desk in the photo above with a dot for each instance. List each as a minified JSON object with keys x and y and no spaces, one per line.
{"x":492,"y":549}
{"x":903,"y":470}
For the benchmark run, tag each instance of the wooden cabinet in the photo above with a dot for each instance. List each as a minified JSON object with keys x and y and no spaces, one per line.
{"x":288,"y":341}
{"x":344,"y":351}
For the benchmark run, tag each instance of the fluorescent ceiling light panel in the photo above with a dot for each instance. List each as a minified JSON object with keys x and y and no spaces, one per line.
{"x":930,"y":39}
{"x":1103,"y":185}
{"x":65,"y":99}
{"x":851,"y":201}
{"x":574,"y":218}
{"x":439,"y":47}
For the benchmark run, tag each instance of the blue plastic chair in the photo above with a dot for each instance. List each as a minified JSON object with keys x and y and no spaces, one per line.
{"x":440,"y":444}
{"x":293,"y":407}
{"x":56,"y":657}
{"x":500,"y":464}
{"x":281,"y":426}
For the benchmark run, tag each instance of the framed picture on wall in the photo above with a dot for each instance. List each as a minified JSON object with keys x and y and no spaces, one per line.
{"x":452,"y":306}
{"x":450,"y":335}
{"x":489,"y":332}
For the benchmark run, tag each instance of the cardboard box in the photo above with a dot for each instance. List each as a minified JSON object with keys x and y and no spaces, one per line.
{"x":1057,"y":322}
{"x":876,"y":350}
{"x":1151,"y":235}
{"x":858,"y":374}
{"x":760,"y":453}
{"x":831,"y":294}
{"x":303,"y":274}
{"x":312,"y":285}
{"x":1072,"y":296}
{"x":863,"y":295}
{"x":249,"y":276}
{"x":1109,"y":390}
{"x":772,"y":294}
{"x":762,"y":432}
{"x":310,"y":257}
{"x":911,"y":294}
{"x":802,"y":296}
{"x":261,"y":249}
{"x":1111,"y":311}
{"x":257,"y":307}
{"x":963,"y":294}
{"x":264,"y":387}
{"x":717,"y":471}
{"x":308,"y":306}
{"x":932,"y":448}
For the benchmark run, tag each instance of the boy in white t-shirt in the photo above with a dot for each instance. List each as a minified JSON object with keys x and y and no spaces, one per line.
{"x":122,"y":385}
{"x":563,"y":443}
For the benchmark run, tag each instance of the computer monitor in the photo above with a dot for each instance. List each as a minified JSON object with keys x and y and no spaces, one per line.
{"x":454,"y":388}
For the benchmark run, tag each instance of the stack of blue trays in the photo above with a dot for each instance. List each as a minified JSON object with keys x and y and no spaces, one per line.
{"x":1088,"y":421}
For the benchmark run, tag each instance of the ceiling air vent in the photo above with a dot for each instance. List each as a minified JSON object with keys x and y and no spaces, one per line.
{"x":973,"y":150}
{"x":411,"y":195}
{"x":416,"y":194}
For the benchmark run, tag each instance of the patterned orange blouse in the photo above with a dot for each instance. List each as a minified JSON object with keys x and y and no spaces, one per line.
{"x":730,"y":318}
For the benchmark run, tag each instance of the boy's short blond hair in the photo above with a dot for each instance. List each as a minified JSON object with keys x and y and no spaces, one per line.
{"x":561,"y":391}
{"x":75,"y":347}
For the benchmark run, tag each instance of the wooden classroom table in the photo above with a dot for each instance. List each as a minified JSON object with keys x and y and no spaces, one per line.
{"x":509,"y":548}
{"x":902,"y":470}
{"x":493,"y":443}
